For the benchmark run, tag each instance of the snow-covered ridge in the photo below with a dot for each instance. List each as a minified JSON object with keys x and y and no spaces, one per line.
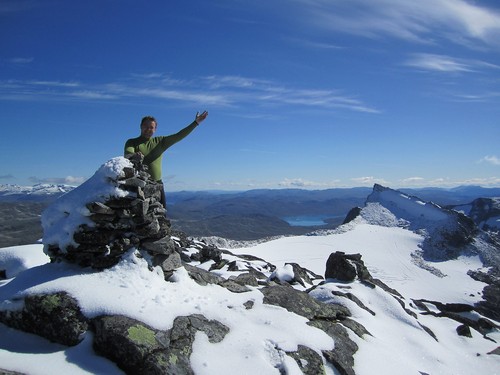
{"x":406,"y":208}
{"x":33,"y":192}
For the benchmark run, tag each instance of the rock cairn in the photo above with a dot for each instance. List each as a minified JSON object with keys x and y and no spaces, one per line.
{"x":136,"y":219}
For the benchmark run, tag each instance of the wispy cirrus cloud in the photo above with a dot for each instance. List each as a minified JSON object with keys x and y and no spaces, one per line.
{"x":424,"y":21}
{"x":69,"y":84}
{"x":19,"y":60}
{"x":443,"y":63}
{"x":222,"y":91}
{"x":301,"y":183}
{"x":270,"y":92}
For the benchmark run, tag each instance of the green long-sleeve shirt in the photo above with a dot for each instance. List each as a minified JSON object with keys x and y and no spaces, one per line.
{"x":154,"y":147}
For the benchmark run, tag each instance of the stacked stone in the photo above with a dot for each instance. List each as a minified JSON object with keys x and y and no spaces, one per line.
{"x":136,"y":220}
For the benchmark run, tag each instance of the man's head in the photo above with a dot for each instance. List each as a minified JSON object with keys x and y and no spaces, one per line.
{"x":148,"y":126}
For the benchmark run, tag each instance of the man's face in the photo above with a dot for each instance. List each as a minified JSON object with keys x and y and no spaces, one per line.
{"x":148,"y":128}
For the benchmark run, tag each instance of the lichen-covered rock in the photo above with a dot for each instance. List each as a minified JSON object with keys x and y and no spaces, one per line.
{"x":139,"y":349}
{"x":127,"y":342}
{"x":302,"y":303}
{"x":56,"y":317}
{"x":309,"y":362}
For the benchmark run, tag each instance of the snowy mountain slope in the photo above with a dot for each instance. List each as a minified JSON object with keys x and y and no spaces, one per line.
{"x":410,"y":315}
{"x":387,"y":252}
{"x":397,"y":343}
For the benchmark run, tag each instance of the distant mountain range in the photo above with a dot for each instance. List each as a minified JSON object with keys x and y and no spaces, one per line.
{"x":246,"y":215}
{"x":37,"y":193}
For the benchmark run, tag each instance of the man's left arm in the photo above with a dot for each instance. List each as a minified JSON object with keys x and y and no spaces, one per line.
{"x":174,"y":138}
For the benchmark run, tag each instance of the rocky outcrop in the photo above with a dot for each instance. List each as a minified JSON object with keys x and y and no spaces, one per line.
{"x":140,"y":349}
{"x":133,"y":217}
{"x":350,"y":267}
{"x":56,"y":317}
{"x":486,"y":213}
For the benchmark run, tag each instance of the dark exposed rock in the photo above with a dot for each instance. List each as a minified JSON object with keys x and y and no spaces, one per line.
{"x":309,"y":362}
{"x":464,"y":330}
{"x":6,"y":372}
{"x":139,"y":349}
{"x":356,"y":327}
{"x":342,"y":357}
{"x":163,"y":245}
{"x":490,"y":304}
{"x":495,"y":351}
{"x":341,"y":267}
{"x":346,"y":267}
{"x":204,"y":277}
{"x":454,"y":311}
{"x":127,"y":342}
{"x":483,"y":210}
{"x":352,"y":214}
{"x":355,"y":299}
{"x":210,"y":253}
{"x":302,"y":304}
{"x":248,"y":278}
{"x":323,"y":316}
{"x":56,"y":317}
{"x":168,"y":263}
{"x":302,"y":275}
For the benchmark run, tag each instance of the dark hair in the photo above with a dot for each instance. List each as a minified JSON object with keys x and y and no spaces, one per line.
{"x":148,"y":119}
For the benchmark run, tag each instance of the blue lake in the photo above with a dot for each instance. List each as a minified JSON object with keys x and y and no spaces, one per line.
{"x":306,"y":220}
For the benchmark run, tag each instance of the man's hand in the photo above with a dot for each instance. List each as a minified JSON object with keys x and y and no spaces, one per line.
{"x":199,"y":118}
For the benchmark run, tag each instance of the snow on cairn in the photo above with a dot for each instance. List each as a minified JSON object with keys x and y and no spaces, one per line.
{"x":63,"y":217}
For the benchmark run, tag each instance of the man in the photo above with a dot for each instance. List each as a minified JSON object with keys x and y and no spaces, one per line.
{"x":152,"y":148}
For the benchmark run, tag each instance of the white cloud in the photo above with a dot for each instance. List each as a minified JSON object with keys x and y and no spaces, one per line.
{"x":421,"y":21}
{"x":491,"y":159}
{"x":94,"y":95}
{"x":20,"y":60}
{"x":53,"y":83}
{"x":296,"y":183}
{"x":442,"y":63}
{"x":222,"y":91}
{"x":71,"y":180}
{"x":438,"y":63}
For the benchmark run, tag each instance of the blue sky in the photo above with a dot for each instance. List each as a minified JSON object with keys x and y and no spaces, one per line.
{"x":301,"y":93}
